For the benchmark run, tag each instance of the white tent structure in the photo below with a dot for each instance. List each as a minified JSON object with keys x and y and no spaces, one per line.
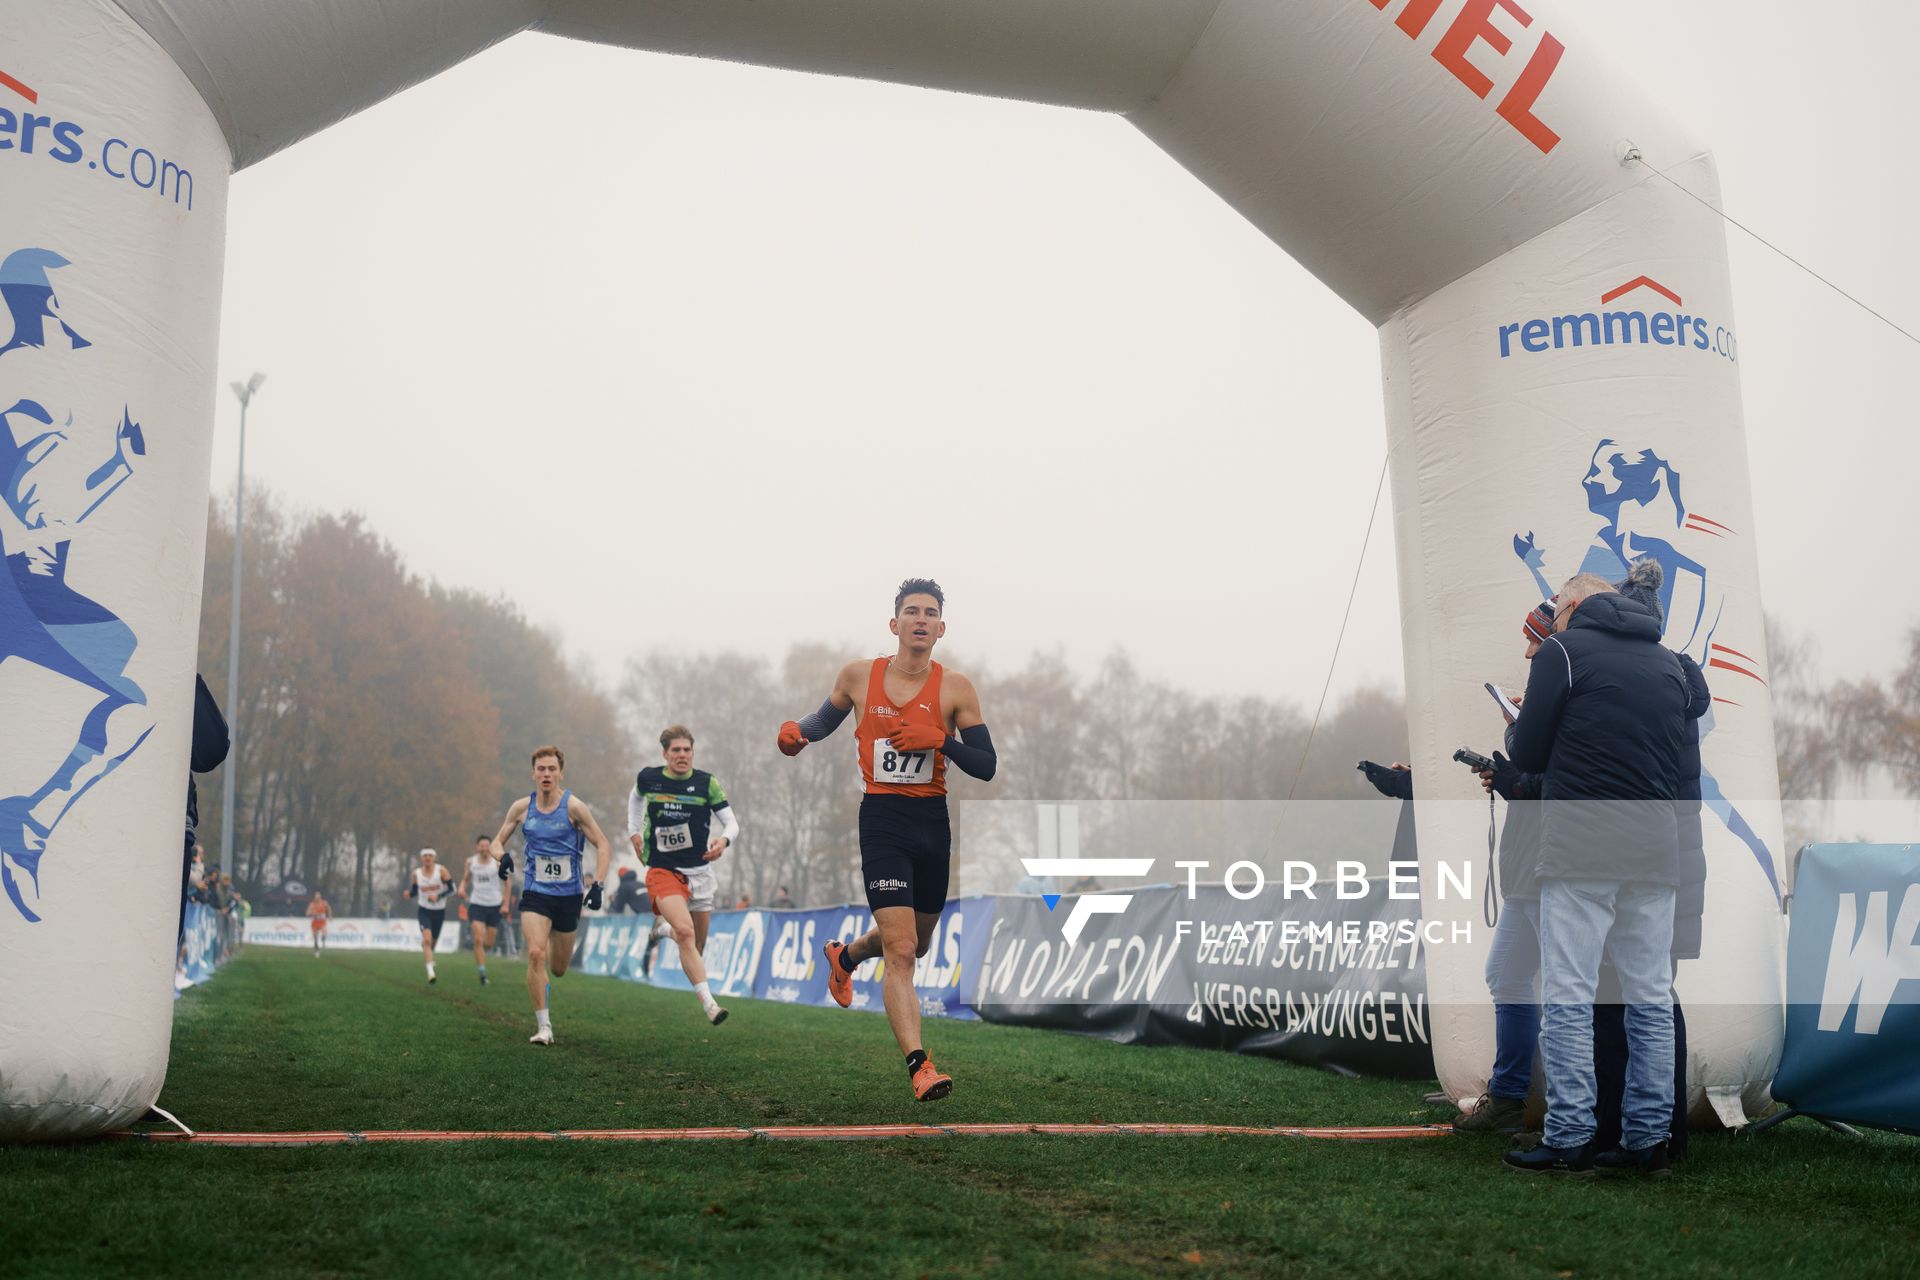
{"x":1557,"y":347}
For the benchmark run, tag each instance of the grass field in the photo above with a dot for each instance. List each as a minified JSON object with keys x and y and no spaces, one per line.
{"x":358,"y":1041}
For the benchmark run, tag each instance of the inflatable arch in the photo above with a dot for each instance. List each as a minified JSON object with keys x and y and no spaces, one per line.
{"x":1556,"y":336}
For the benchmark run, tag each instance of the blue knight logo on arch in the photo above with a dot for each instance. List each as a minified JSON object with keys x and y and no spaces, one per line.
{"x":1635,"y":494}
{"x":66,"y":447}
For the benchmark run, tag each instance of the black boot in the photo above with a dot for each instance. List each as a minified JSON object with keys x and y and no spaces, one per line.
{"x":1653,"y":1161}
{"x":1574,"y":1162}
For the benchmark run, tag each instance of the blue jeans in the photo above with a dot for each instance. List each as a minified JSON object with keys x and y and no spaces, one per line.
{"x":1631,"y":925}
{"x":1513,"y":979}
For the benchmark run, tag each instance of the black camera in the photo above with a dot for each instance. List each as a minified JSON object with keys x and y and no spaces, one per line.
{"x":1477,"y":763}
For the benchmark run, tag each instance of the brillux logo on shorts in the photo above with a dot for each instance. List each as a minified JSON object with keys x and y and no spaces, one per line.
{"x":1087,"y":904}
{"x":887,"y":884}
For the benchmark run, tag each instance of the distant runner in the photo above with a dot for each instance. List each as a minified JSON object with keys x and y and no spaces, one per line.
{"x":915,"y":716}
{"x":318,"y":911}
{"x":430,"y":886}
{"x":670,"y":816}
{"x":554,"y":827}
{"x":485,"y":892}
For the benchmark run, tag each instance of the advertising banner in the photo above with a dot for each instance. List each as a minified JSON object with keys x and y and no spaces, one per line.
{"x":350,"y":933}
{"x":1853,"y":986}
{"x":776,"y":955}
{"x":201,"y":948}
{"x":612,"y":946}
{"x":795,"y":972}
{"x":1323,"y":981}
{"x":736,"y":943}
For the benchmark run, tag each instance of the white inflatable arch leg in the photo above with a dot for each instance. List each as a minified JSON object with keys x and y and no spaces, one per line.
{"x":1557,"y":339}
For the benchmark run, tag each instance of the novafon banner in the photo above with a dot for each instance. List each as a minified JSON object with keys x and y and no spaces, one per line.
{"x":349,"y":933}
{"x":1323,"y":981}
{"x":1853,"y":986}
{"x":113,"y":181}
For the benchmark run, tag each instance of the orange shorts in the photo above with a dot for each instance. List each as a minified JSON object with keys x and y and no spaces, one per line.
{"x":695,"y":884}
{"x":663,"y":883}
{"x":319,"y":923}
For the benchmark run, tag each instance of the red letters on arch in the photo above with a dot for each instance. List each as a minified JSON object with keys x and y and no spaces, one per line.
{"x":1474,"y":25}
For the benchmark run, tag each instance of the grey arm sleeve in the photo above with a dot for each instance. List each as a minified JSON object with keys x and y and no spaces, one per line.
{"x":973,"y":752}
{"x":816,"y":725}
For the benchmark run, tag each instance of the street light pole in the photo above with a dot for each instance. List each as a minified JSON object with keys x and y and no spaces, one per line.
{"x":244,"y":390}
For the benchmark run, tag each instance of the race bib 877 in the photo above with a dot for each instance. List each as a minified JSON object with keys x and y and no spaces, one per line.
{"x":902,"y":768}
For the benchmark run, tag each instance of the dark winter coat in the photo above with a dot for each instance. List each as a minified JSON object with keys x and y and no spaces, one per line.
{"x":1520,"y":837}
{"x":1603,"y":721}
{"x":1691,"y":901}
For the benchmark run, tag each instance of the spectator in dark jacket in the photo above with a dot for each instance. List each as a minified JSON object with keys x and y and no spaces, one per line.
{"x":1513,"y":961}
{"x":1609,"y":1015}
{"x":1395,"y":782}
{"x":1603,"y":721}
{"x":630,"y":896}
{"x":211,"y":742}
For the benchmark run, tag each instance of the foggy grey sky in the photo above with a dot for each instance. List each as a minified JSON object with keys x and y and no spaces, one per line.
{"x":693,"y":355}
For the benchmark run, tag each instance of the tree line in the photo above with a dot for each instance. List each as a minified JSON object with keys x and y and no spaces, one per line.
{"x":381,"y":712}
{"x":378,"y":713}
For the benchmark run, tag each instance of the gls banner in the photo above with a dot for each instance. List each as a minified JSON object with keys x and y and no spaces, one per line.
{"x":1853,"y":986}
{"x":776,"y":955}
{"x":944,"y":977}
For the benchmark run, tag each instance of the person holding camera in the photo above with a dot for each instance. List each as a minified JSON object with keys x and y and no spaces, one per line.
{"x":1513,"y":961}
{"x":1603,"y":722}
{"x":1395,"y":782}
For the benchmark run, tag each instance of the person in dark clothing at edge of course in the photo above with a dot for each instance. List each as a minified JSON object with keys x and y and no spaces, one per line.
{"x":211,"y":742}
{"x":1603,"y":718}
{"x":1513,"y":960}
{"x":1609,"y":1015}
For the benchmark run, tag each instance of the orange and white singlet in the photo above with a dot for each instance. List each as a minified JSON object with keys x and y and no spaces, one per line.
{"x":883,"y":770}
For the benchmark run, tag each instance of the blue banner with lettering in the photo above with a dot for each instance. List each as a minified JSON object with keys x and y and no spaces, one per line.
{"x":202,"y":949}
{"x":776,"y":955}
{"x":1853,"y":986}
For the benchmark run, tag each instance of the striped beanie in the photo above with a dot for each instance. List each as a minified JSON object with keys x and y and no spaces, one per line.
{"x":1538,"y":624}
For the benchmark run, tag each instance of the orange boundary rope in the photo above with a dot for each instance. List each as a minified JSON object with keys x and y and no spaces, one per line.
{"x":781,"y":1133}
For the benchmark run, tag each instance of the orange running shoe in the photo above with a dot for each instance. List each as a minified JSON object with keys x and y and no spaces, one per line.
{"x":839,"y":981}
{"x":930,"y":1084}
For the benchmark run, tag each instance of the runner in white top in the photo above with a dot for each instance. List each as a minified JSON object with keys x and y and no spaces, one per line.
{"x":430,"y":886}
{"x":486,"y":893}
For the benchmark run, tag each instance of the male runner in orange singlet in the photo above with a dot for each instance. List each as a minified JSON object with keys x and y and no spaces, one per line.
{"x":318,"y":911}
{"x":914,"y":717}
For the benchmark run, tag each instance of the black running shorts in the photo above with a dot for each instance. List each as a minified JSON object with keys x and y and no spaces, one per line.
{"x":488,"y":916}
{"x":431,"y":921}
{"x":906,"y":851}
{"x":561,"y":908}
